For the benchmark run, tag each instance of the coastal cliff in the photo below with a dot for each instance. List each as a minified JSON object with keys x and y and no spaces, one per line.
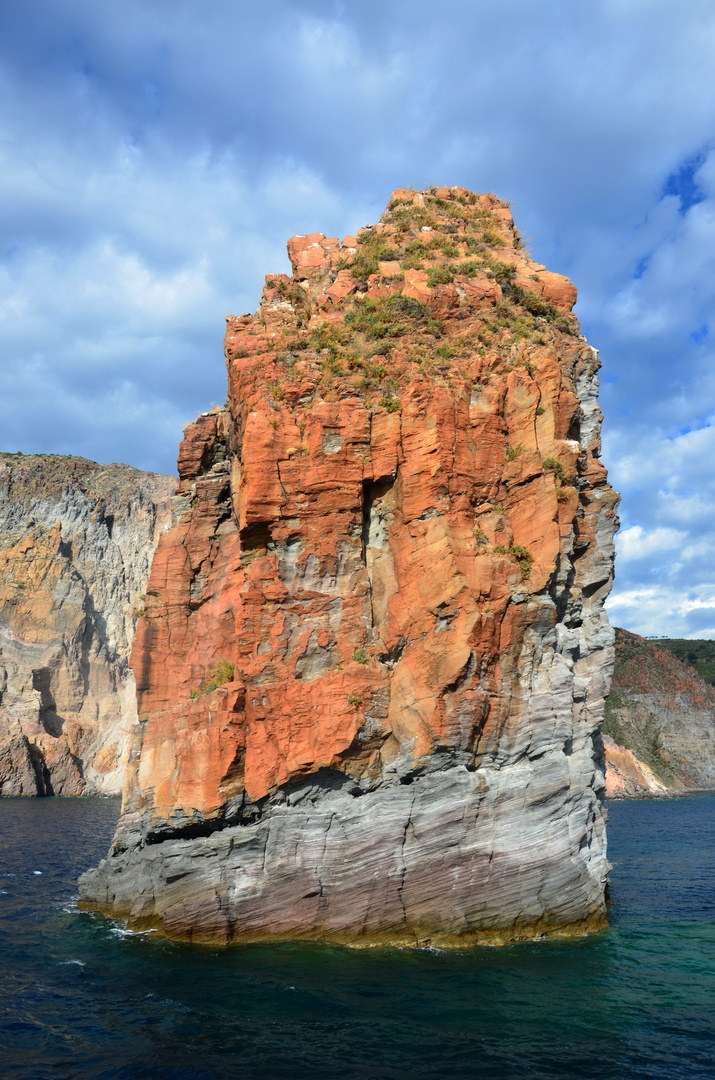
{"x":373,"y":660}
{"x":659,"y":727}
{"x":76,"y":543}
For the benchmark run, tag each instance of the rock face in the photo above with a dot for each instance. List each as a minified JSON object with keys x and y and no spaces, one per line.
{"x":627,"y":776}
{"x":374,"y":656}
{"x":76,"y":543}
{"x":659,"y":723}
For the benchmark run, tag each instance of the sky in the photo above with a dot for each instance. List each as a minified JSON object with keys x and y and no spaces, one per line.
{"x":155,"y":156}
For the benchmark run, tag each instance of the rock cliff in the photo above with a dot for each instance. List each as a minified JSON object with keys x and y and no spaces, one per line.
{"x":659,"y":723}
{"x":627,"y":777}
{"x":76,"y":542}
{"x":374,"y":655}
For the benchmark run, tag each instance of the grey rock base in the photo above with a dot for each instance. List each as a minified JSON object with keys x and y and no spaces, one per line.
{"x":451,"y":858}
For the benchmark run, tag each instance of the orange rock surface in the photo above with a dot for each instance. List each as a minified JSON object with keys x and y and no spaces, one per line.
{"x":627,"y":775}
{"x":393,"y":544}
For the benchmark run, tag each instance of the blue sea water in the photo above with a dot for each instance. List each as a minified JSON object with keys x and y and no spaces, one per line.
{"x":82,"y":1000}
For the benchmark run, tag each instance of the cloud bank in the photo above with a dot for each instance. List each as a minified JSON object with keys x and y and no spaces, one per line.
{"x":156,"y":154}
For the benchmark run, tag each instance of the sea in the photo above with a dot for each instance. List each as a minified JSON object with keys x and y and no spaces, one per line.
{"x":82,"y":999}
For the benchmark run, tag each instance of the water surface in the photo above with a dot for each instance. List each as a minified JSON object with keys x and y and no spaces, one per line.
{"x":80,"y":998}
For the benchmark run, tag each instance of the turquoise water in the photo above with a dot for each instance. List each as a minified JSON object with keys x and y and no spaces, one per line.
{"x":81,"y":999}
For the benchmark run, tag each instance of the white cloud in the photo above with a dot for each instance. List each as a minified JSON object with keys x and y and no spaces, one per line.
{"x":662,"y":611}
{"x":155,"y":157}
{"x":635,"y":543}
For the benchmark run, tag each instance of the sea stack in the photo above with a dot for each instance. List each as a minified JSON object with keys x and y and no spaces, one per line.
{"x":374,"y":654}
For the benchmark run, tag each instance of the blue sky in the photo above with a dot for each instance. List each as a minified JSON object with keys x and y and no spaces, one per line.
{"x":155,"y":155}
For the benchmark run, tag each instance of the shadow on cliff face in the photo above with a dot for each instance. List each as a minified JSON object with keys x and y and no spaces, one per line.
{"x":42,"y":682}
{"x":42,"y":773}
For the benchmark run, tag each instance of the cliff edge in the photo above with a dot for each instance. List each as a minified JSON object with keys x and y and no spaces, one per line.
{"x":374,"y":655}
{"x":76,"y":543}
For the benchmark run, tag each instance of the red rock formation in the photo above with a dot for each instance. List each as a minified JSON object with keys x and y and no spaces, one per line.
{"x":386,"y":579}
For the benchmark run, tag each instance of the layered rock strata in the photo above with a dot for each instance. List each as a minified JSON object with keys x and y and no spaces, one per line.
{"x":374,"y":656}
{"x":76,"y":543}
{"x":659,"y":723}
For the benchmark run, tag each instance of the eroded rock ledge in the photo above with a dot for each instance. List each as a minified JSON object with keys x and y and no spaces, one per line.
{"x":374,"y":656}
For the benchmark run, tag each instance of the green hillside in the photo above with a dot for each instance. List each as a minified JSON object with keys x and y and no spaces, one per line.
{"x":699,"y":654}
